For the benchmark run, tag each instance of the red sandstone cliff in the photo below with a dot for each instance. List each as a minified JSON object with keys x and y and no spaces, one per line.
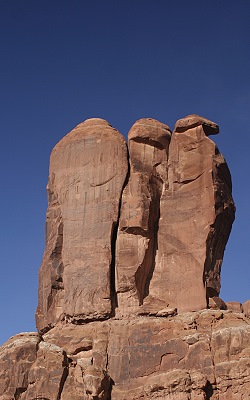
{"x":128,"y":304}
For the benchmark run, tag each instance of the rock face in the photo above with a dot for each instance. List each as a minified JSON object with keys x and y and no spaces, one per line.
{"x":203,"y":355}
{"x":176,"y":217}
{"x":17,"y":356}
{"x":197,"y":212}
{"x":128,"y":305}
{"x":88,"y":168}
{"x":140,"y":212}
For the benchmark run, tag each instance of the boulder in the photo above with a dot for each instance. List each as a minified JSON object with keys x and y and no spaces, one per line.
{"x":194,"y":120}
{"x":235,"y":306}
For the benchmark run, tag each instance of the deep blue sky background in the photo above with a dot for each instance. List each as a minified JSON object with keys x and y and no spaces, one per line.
{"x":65,"y":61}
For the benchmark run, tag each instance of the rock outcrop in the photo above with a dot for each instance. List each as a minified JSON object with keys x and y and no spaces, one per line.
{"x":196,"y":355}
{"x":88,"y":168}
{"x":197,"y":212}
{"x":176,"y":218}
{"x":128,"y":304}
{"x":140,"y":212}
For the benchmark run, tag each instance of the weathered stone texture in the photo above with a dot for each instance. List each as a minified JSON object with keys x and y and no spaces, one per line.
{"x":174,"y":210}
{"x":140,"y":211}
{"x":196,"y":355}
{"x":129,"y":305}
{"x":88,"y":168}
{"x":17,"y":356}
{"x":196,"y":214}
{"x":48,"y":373}
{"x":246,"y":308}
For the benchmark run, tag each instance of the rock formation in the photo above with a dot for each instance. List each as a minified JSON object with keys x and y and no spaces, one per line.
{"x":196,"y":216}
{"x":128,"y":304}
{"x":88,"y":169}
{"x":140,"y":212}
{"x":195,"y":355}
{"x":176,"y":217}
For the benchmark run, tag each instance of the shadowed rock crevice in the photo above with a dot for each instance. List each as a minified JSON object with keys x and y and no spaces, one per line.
{"x":51,"y":292}
{"x":64,"y":377}
{"x":113,"y":292}
{"x":57,"y":268}
{"x":208,"y":389}
{"x":145,"y":271}
{"x":19,"y":392}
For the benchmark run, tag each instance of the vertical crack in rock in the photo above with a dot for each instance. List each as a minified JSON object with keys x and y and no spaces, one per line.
{"x":145,"y":271}
{"x":51,"y":288}
{"x":136,"y":245}
{"x":64,"y":376}
{"x":113,"y":293}
{"x":56,"y":268}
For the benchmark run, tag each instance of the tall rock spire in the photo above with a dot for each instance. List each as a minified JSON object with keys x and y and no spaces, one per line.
{"x":88,"y":168}
{"x":128,"y":304}
{"x":137,"y":238}
{"x":196,"y":215}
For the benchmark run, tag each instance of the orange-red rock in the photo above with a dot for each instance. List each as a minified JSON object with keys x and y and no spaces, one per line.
{"x":234,"y":306}
{"x":17,"y":356}
{"x":88,"y":168}
{"x":136,"y":245}
{"x":132,"y":312}
{"x":246,"y":308}
{"x":196,"y":355}
{"x":196,"y":215}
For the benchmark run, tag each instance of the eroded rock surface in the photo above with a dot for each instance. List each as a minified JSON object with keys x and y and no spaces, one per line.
{"x":129,"y":305}
{"x":197,"y":355}
{"x":196,"y":215}
{"x":88,"y":168}
{"x":17,"y":356}
{"x":136,"y":245}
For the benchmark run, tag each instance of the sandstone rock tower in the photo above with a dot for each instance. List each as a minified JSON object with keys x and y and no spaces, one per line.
{"x":88,"y":169}
{"x":130,"y":278}
{"x":171,"y":202}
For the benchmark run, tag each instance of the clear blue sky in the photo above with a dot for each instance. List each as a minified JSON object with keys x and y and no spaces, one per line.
{"x":65,"y":61}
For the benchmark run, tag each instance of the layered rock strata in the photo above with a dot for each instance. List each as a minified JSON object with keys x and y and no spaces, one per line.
{"x":128,"y":304}
{"x":203,"y":355}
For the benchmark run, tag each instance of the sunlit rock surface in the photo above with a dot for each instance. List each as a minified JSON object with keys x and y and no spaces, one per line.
{"x":128,"y":304}
{"x":88,"y":168}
